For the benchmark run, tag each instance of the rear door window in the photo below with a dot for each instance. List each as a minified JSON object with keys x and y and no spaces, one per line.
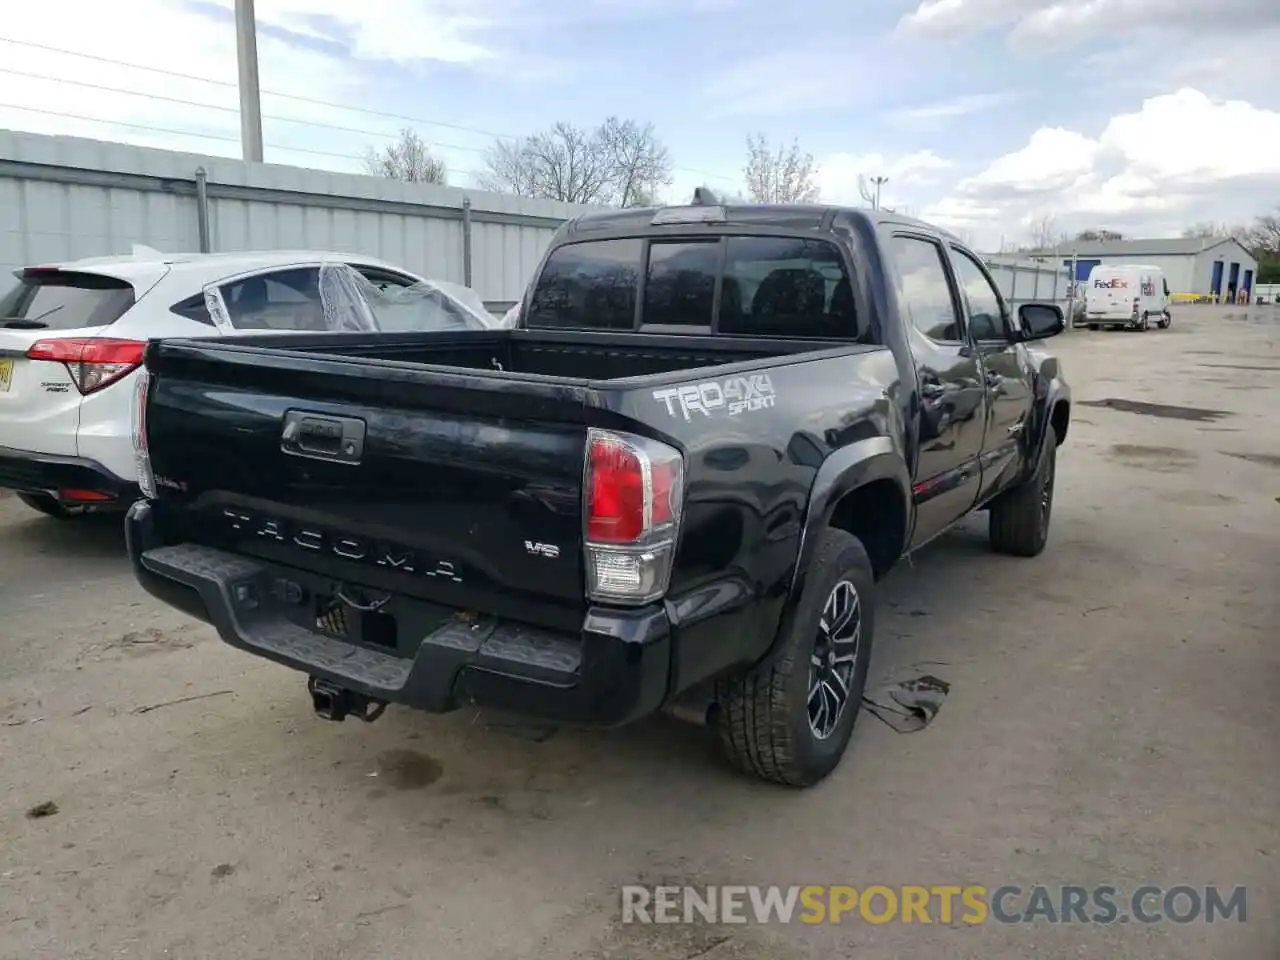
{"x":64,"y":300}
{"x":281,"y":300}
{"x":589,"y":286}
{"x":786,"y":287}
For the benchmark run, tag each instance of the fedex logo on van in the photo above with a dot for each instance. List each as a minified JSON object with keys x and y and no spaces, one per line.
{"x":1113,"y":284}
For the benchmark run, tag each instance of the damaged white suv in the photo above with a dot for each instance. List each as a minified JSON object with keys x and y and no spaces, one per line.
{"x":72,"y":337}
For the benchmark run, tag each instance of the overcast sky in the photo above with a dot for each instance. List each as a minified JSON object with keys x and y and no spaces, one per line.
{"x":1136,"y":115}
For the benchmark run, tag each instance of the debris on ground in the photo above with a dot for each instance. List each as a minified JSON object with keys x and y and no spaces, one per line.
{"x":907,"y":705}
{"x":174,"y":703}
{"x":46,"y":809}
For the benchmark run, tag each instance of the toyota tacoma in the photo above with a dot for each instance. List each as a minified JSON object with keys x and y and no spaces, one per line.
{"x":677,"y":480}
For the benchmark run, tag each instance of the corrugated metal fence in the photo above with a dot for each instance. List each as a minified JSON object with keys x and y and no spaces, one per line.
{"x":1024,"y":280}
{"x":62,"y":198}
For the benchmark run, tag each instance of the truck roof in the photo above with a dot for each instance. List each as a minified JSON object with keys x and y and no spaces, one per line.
{"x":790,"y":216}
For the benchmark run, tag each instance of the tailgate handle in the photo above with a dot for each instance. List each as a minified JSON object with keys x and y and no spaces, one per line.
{"x":321,"y":437}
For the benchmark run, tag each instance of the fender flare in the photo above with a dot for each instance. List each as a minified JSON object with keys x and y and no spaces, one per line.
{"x":1057,"y":391}
{"x":845,"y":470}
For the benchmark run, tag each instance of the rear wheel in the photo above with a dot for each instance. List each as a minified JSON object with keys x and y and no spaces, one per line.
{"x":789,"y":719}
{"x":1166,"y":321}
{"x":1019,"y":519}
{"x":1093,"y":326}
{"x":50,"y":506}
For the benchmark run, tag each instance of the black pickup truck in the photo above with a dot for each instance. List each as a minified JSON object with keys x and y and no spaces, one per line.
{"x":676,"y":481}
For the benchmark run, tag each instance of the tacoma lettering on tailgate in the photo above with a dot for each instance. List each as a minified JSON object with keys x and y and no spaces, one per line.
{"x":734,"y":396}
{"x":359,"y":549}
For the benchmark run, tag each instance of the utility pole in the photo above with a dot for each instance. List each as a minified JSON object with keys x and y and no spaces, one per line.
{"x":879,"y":182}
{"x":250,"y":94}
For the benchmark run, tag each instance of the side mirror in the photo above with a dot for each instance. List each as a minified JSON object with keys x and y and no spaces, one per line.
{"x":1038,"y":321}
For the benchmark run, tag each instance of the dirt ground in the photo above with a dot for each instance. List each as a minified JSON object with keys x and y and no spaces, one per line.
{"x":1113,"y":719}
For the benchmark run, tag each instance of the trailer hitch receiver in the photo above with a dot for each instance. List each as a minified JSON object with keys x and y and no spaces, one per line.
{"x":332,"y":702}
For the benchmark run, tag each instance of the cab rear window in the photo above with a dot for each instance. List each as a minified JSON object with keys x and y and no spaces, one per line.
{"x":762,"y":286}
{"x":64,"y":300}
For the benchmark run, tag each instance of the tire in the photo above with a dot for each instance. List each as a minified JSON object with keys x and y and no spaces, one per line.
{"x":1093,"y":326}
{"x":1144,"y":324}
{"x":770,"y":721}
{"x":50,"y":507}
{"x":1019,"y":519}
{"x":1167,"y":321}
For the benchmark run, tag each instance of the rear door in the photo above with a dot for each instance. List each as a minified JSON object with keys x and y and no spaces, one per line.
{"x":39,"y":398}
{"x":1110,"y":293}
{"x":272,"y":300}
{"x":952,"y":411}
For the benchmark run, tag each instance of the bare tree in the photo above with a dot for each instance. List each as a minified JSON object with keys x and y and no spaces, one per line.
{"x":1044,"y":232}
{"x":1211,"y":231}
{"x":621,"y":162}
{"x":1263,"y":241}
{"x":509,"y":168}
{"x":1264,"y":236}
{"x":408,"y":159}
{"x":562,"y":163}
{"x":783,"y":176}
{"x":640,"y":163}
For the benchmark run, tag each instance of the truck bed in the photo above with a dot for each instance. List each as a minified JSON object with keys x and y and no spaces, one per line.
{"x":473,"y":472}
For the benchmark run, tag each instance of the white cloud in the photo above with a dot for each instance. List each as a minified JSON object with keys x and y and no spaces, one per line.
{"x":1053,"y":160}
{"x":1034,"y":23}
{"x":838,"y":175}
{"x":1181,"y":158}
{"x":933,"y":114}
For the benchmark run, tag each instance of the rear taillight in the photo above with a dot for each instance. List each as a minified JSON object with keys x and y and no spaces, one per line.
{"x":633,"y":491}
{"x":93,"y":362}
{"x":84,"y":496}
{"x":141,"y":451}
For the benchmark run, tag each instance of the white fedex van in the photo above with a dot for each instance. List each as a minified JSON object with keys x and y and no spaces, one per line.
{"x":1132,"y":296}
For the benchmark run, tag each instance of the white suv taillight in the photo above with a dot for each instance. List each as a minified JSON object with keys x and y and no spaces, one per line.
{"x":92,"y":362}
{"x":141,"y":453}
{"x":633,"y":492}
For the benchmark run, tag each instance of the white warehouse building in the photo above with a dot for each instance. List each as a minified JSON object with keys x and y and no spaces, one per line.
{"x":1193,"y":267}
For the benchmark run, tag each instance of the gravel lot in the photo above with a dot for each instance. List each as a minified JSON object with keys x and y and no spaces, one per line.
{"x":1113,"y":708}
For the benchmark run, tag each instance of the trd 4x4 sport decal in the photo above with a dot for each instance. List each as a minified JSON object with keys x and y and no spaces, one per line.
{"x":734,"y":396}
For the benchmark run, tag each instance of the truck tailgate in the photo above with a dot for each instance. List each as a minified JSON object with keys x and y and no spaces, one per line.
{"x":455,"y":487}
